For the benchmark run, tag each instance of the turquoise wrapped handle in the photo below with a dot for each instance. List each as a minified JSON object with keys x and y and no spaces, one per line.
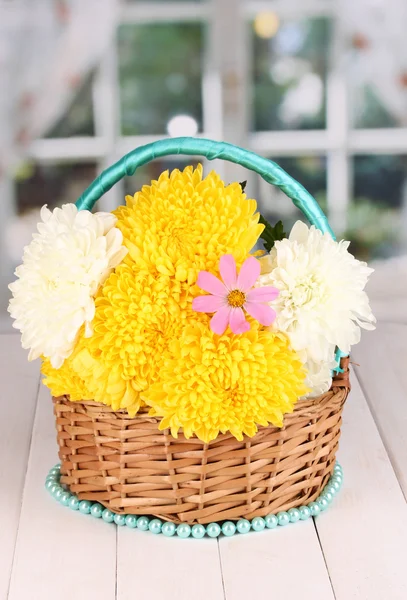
{"x":210,"y":149}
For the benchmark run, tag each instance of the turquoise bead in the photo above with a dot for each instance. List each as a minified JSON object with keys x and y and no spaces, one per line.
{"x":169,"y":529}
{"x":108,"y":516}
{"x":73,"y":503}
{"x":228,"y":528}
{"x":54,"y":488}
{"x":213,"y":530}
{"x":328,"y":496}
{"x":305,"y":513}
{"x":314,"y":508}
{"x":294,"y":515}
{"x":131,"y":521}
{"x":283,"y":518}
{"x":96,"y":510}
{"x":142,"y":523}
{"x":65,"y":498}
{"x":271,"y":521}
{"x":183,"y":530}
{"x":258,"y":524}
{"x":322,"y":503}
{"x":120,"y":520}
{"x":155,"y":526}
{"x":84,"y":507}
{"x":243,"y":526}
{"x":198,"y":531}
{"x":58,"y":493}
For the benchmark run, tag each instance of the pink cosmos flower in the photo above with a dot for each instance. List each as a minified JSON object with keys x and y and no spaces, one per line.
{"x":227,"y":299}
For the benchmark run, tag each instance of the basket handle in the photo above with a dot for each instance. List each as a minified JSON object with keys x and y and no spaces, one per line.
{"x":210,"y":149}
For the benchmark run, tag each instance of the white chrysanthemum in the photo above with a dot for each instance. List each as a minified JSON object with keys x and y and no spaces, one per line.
{"x":321,"y":302}
{"x":319,"y":374}
{"x":63,"y":267}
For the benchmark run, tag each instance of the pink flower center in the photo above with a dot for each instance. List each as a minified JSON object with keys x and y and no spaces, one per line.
{"x":236,"y":298}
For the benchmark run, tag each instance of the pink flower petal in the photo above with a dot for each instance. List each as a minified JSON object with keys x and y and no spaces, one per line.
{"x":263,"y":294}
{"x":207,"y":304}
{"x":263,"y":313}
{"x":249,"y":273}
{"x":227,"y":267}
{"x":237,"y":321}
{"x":209,"y":283}
{"x":220,"y":320}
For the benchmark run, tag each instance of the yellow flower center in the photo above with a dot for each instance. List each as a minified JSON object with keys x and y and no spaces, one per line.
{"x":236,"y":298}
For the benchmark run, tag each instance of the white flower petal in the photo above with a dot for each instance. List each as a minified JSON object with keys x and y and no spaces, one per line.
{"x":322,"y":302}
{"x":68,"y":259}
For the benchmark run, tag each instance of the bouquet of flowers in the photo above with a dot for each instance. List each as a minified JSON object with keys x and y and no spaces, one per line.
{"x":163,"y":305}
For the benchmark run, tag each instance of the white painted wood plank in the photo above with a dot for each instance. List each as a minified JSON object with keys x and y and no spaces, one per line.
{"x":395,"y":338}
{"x":155,"y":567}
{"x":364,"y":533}
{"x":18,"y":393}
{"x":59,"y":552}
{"x":382,"y":371}
{"x":285,"y":563}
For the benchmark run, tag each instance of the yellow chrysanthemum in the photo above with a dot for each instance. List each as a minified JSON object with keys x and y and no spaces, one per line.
{"x":210,"y":384}
{"x":136,"y":315}
{"x":65,"y":381}
{"x":181,"y":224}
{"x":174,"y":228}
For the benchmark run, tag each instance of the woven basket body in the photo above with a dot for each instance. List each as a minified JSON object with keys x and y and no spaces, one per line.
{"x":131,"y":467}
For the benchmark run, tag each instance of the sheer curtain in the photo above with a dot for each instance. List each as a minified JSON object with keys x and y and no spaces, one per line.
{"x":376,"y":32}
{"x":47,"y":47}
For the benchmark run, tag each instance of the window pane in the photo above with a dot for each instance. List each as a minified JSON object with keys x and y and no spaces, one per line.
{"x":145,"y":174}
{"x":52,"y":184}
{"x":160,"y":69}
{"x":78,"y":119}
{"x":310,"y":171}
{"x":378,"y":214}
{"x":290,"y":63}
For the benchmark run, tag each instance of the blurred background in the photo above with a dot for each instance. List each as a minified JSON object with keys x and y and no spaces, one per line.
{"x":320,"y":86}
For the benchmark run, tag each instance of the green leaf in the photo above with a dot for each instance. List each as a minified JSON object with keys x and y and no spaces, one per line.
{"x":271,"y":234}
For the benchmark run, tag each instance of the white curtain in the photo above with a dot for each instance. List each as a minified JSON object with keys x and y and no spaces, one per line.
{"x":47,"y":47}
{"x":375,"y":30}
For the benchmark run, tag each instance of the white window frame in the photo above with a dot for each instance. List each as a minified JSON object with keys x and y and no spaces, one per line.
{"x":226,"y":108}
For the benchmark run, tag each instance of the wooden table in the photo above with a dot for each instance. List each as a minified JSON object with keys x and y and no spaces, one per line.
{"x":357,"y":549}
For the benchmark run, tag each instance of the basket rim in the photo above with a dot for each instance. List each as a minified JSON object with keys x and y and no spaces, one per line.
{"x":303,"y":407}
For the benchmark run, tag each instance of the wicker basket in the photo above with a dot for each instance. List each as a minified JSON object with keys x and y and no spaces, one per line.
{"x":131,"y":467}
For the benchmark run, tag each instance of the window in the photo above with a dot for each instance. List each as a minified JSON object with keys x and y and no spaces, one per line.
{"x":157,"y":86}
{"x":267,"y":76}
{"x":289,"y":71}
{"x":310,"y":171}
{"x":378,"y":211}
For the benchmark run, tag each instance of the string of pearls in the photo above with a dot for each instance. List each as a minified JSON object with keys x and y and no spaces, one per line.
{"x":183,"y":530}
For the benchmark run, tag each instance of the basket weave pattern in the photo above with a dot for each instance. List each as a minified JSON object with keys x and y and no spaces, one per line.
{"x":131,"y":467}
